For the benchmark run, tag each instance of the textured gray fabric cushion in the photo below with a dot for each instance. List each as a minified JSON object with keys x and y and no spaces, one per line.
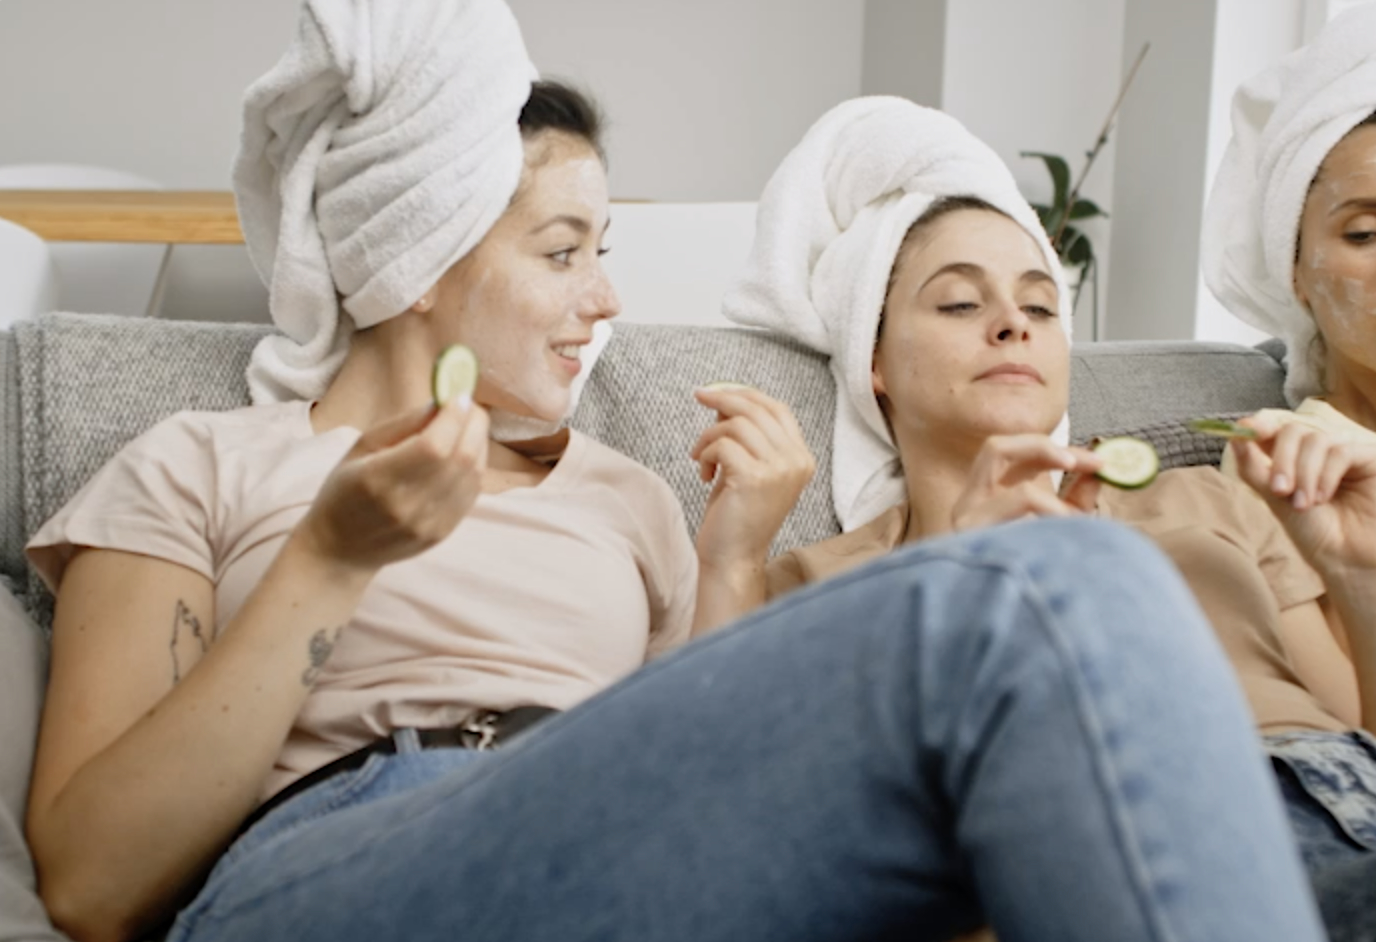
{"x":1116,"y":386}
{"x":23,"y":667}
{"x":11,"y":502}
{"x":88,"y":384}
{"x":639,"y":401}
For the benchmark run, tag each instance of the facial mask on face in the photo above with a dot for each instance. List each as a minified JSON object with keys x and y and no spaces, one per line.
{"x":508,"y":427}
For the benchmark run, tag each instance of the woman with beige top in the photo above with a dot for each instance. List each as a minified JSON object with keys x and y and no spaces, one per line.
{"x":283,"y":647}
{"x":1290,"y":247}
{"x":958,"y":403}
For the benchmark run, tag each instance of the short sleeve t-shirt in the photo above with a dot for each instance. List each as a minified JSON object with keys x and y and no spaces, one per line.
{"x":542,"y":595}
{"x":1231,"y":550}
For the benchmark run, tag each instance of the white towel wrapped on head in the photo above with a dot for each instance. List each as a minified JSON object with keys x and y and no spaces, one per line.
{"x":1285,"y":121}
{"x":830,"y":224}
{"x":375,"y":154}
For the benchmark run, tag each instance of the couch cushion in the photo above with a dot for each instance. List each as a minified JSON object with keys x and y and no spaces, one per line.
{"x":1117,"y":386}
{"x":11,"y":499}
{"x":639,"y":400}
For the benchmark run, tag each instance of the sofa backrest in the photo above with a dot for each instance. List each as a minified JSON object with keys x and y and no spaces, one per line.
{"x":75,"y":388}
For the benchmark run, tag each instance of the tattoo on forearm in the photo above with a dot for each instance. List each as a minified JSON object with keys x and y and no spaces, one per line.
{"x":188,"y":639}
{"x":322,"y":644}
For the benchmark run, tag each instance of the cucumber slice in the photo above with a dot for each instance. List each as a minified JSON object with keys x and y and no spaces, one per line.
{"x":1221,"y":428}
{"x":455,"y":374}
{"x":1129,"y":463}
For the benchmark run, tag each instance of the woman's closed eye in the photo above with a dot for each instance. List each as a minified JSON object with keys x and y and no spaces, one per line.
{"x":1037,"y":310}
{"x":958,"y":307}
{"x":1360,"y":238}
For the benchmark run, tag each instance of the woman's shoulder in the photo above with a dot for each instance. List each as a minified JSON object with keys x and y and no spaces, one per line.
{"x":198,"y":429}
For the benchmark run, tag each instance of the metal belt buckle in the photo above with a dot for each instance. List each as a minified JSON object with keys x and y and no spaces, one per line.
{"x":479,"y":731}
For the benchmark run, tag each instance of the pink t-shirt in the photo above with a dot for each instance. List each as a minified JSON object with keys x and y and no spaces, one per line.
{"x":542,"y":595}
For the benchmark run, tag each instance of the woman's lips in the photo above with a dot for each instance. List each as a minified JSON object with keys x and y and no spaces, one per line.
{"x":1012,"y":373}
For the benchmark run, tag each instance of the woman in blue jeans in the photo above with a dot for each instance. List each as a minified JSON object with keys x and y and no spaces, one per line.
{"x":1001,"y":725}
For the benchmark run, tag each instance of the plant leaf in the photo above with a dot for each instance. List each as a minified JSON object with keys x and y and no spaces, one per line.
{"x":1060,"y":175}
{"x":1051,"y":222}
{"x":1077,"y":249}
{"x":1086,"y":209}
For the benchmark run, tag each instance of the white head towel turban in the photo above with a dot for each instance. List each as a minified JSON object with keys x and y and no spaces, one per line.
{"x":375,"y":154}
{"x":1285,"y":121}
{"x":830,"y":224}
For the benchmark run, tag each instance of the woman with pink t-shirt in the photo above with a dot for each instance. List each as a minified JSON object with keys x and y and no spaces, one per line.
{"x":288,"y":637}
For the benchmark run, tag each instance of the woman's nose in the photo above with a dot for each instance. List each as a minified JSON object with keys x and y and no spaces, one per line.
{"x":601,"y":301}
{"x":1010,"y":323}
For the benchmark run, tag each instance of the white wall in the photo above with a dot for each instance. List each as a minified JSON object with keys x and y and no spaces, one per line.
{"x":706,"y":97}
{"x":1159,"y":177}
{"x":905,"y":50}
{"x":1039,"y":75}
{"x":148,"y":86}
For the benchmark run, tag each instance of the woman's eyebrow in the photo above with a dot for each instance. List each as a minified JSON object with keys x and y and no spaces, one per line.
{"x":1037,"y":275}
{"x":577,"y":223}
{"x":1360,"y":202}
{"x":968,"y":269}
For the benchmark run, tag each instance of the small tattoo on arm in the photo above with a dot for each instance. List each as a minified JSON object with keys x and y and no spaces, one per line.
{"x":188,"y":638}
{"x":320,"y":648}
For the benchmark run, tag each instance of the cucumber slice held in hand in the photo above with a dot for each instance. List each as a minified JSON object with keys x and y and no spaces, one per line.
{"x":1220,"y":428}
{"x":455,"y":374}
{"x":1129,"y":463}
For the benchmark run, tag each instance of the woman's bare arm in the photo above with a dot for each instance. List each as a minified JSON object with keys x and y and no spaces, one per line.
{"x":160,"y":725}
{"x":157,"y":734}
{"x":1311,"y":641}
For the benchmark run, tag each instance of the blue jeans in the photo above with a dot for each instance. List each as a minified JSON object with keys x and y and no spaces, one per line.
{"x":1328,"y":781}
{"x":1031,"y":725}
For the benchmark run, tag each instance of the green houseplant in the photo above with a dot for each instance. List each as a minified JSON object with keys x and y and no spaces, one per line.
{"x":1066,"y":208}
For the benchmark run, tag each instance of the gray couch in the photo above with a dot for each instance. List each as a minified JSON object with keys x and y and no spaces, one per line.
{"x":74,"y":388}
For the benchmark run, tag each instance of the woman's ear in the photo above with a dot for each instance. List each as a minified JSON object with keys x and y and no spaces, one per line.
{"x":1300,"y":294}
{"x":877,"y":379}
{"x":426,"y":302}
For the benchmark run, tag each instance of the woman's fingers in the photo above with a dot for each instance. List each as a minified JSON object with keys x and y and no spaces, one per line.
{"x":774,"y":419}
{"x":729,"y":457}
{"x":1253,"y":465}
{"x":1284,"y":448}
{"x":1312,"y":460}
{"x":745,"y":432}
{"x":1082,"y":491}
{"x":1011,"y":459}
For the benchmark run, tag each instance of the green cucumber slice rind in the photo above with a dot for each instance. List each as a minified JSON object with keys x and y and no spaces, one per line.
{"x":1220,"y":428}
{"x":455,"y":374}
{"x":1129,"y":463}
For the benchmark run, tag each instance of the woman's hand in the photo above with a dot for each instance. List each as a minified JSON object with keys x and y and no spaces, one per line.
{"x":402,"y":489}
{"x":1323,"y":492}
{"x":756,"y":454}
{"x":1007,"y":482}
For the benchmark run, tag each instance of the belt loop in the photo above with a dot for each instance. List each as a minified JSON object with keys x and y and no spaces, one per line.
{"x":407,"y":740}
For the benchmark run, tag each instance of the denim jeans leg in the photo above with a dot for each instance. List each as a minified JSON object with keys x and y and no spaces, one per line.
{"x":1031,"y":723}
